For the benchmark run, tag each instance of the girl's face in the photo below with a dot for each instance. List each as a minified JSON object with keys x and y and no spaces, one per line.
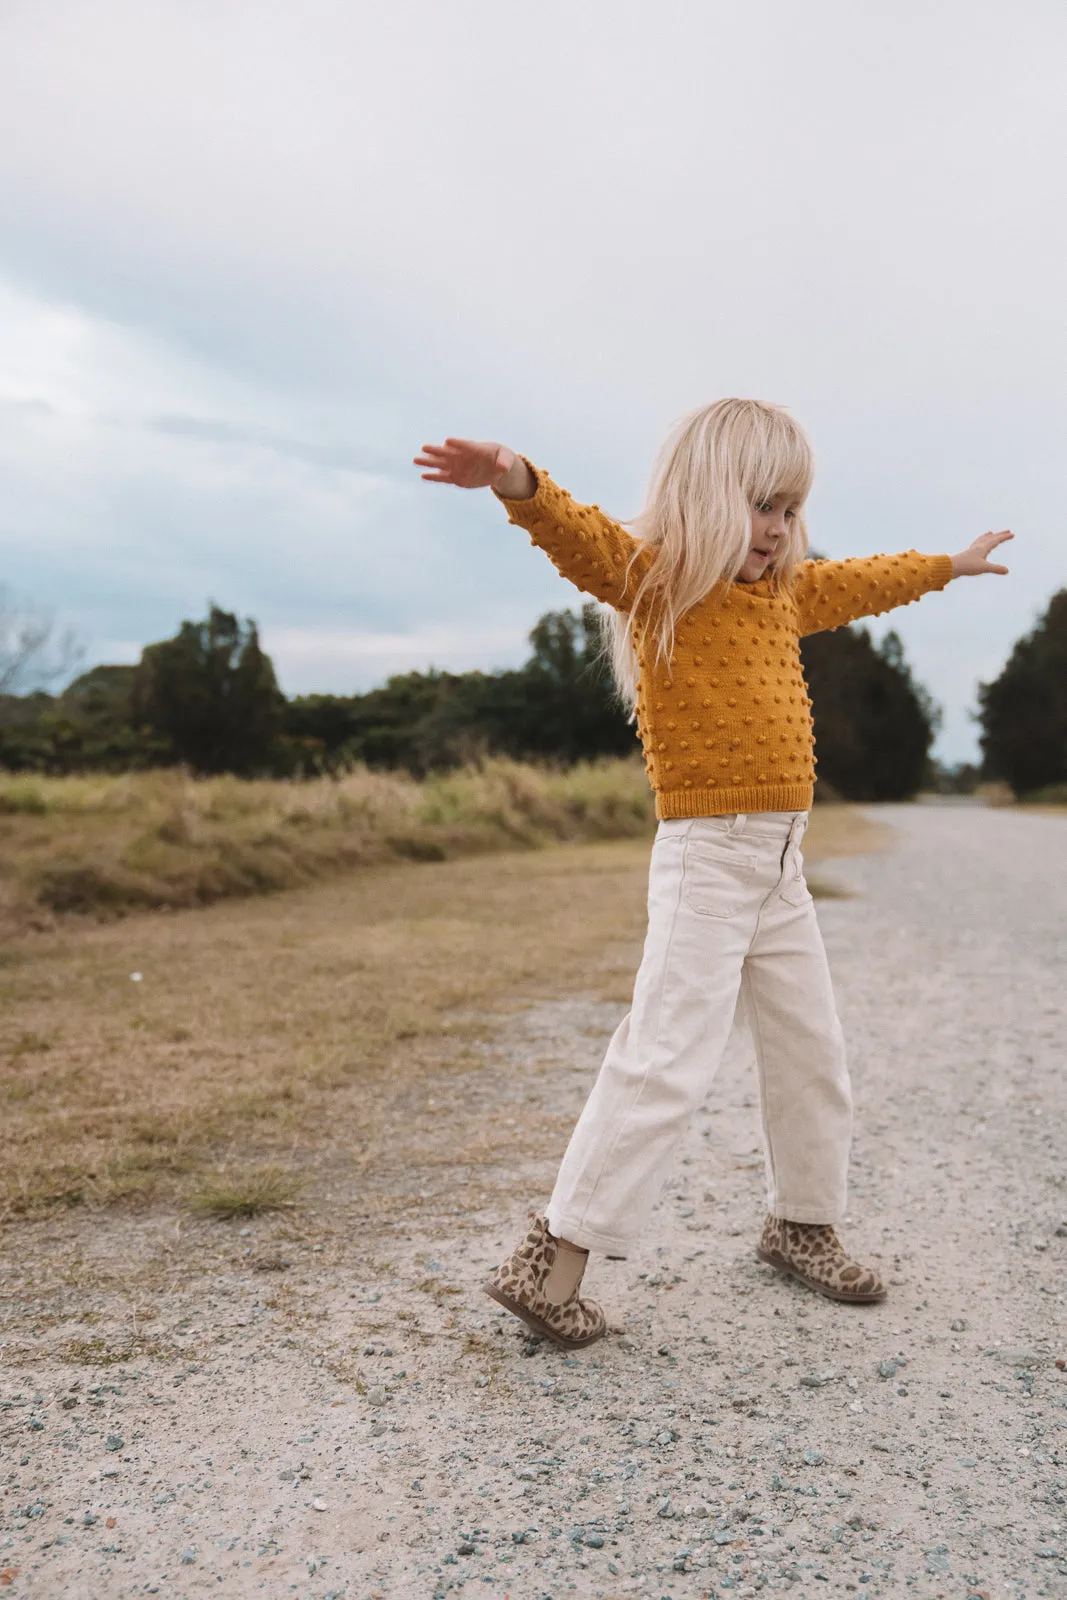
{"x":771,"y":522}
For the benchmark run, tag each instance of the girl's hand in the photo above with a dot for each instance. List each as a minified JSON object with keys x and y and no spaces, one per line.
{"x":975,"y":559}
{"x":471,"y":465}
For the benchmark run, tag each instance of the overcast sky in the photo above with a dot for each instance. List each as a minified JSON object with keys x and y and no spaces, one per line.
{"x":254,"y":254}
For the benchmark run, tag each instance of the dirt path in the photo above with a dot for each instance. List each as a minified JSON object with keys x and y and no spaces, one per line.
{"x":352,"y":1418}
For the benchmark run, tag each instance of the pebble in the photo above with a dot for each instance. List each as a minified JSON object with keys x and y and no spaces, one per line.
{"x":114,"y":1442}
{"x":817,"y":1380}
{"x":377,"y":1428}
{"x":595,"y":1541}
{"x":1019,"y":1356}
{"x":187,"y":1557}
{"x":937,"y":1558}
{"x":958,"y":1325}
{"x":813,"y":1458}
{"x":318,"y":1504}
{"x":465,"y":1549}
{"x":627,"y":1345}
{"x":887,"y":1369}
{"x":376,"y":1395}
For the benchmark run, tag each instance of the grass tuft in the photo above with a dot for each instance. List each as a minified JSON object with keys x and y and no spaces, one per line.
{"x":247,"y":1194}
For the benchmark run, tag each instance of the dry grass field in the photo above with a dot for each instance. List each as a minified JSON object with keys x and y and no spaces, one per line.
{"x":105,"y":846}
{"x":226,"y":1059}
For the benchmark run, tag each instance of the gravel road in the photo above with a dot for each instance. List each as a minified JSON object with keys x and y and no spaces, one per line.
{"x":366,"y":1423}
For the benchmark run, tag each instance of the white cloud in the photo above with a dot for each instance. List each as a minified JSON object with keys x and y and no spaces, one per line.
{"x":307,"y":659}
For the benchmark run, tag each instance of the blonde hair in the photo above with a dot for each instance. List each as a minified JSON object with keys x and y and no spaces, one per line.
{"x":717,"y":463}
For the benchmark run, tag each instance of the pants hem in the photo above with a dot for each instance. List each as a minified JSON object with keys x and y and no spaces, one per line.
{"x":826,"y":1215}
{"x":587,"y":1239}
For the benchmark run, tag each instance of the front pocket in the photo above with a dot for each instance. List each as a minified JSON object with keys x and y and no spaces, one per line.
{"x":794,"y":889}
{"x":718,"y":880}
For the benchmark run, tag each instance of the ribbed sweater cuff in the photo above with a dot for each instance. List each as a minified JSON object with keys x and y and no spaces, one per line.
{"x":519,"y":509}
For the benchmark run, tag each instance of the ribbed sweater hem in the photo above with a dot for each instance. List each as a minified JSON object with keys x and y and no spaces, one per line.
{"x":671,"y":803}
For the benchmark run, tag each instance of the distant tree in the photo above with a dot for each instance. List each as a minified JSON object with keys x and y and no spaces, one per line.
{"x":558,"y":707}
{"x":961,"y":777}
{"x":33,"y":652}
{"x":561,"y":705}
{"x":88,"y":727}
{"x":1023,"y":712}
{"x":209,"y":695}
{"x":874,"y":725}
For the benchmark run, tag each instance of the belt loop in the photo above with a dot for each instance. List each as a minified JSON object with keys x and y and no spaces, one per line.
{"x":738,"y":824}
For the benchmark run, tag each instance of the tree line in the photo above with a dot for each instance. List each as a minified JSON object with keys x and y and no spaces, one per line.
{"x":208,"y":698}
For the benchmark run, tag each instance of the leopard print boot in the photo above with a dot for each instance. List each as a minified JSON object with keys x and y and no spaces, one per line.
{"x":518,"y":1285}
{"x":812,"y":1252}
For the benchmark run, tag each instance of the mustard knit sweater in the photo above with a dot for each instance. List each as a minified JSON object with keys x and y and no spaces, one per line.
{"x":727,"y":727}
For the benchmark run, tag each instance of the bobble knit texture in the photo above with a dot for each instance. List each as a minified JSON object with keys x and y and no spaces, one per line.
{"x":728,"y":726}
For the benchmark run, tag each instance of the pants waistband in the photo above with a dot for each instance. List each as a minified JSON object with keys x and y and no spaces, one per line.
{"x":760,"y":824}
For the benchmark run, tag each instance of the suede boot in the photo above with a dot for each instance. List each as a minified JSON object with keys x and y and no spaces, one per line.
{"x":520,"y":1284}
{"x":814,"y":1254}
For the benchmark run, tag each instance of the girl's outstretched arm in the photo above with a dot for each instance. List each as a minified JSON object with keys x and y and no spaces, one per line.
{"x":586,"y":546}
{"x":830,"y":593}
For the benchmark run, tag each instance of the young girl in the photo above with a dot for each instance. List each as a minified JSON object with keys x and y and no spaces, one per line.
{"x":711,"y":596}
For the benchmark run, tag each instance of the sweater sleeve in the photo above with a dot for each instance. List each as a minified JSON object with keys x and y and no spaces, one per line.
{"x":595,"y":553}
{"x":831,"y":593}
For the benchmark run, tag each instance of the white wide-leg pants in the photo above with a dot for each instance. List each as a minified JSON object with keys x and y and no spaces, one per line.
{"x":730,"y":919}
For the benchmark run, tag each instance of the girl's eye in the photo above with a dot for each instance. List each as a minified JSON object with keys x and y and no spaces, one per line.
{"x":763,"y":506}
{"x":790,"y":515}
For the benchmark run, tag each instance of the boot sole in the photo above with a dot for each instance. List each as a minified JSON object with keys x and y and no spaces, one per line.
{"x":843,"y":1295}
{"x":537,"y":1324}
